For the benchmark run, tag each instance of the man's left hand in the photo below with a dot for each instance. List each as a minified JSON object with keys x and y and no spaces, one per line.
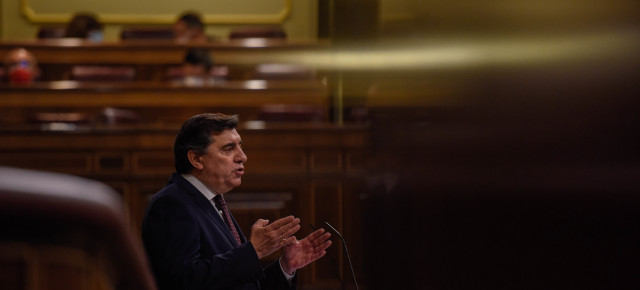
{"x":302,"y":252}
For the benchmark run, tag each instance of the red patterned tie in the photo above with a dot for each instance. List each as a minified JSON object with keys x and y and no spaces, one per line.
{"x":221,"y":205}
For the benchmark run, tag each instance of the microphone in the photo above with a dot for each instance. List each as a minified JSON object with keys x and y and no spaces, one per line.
{"x":344,"y":244}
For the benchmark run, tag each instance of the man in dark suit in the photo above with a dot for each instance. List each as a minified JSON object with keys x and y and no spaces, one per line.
{"x":191,"y":239}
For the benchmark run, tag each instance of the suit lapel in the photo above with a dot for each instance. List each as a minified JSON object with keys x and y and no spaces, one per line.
{"x":208,"y":208}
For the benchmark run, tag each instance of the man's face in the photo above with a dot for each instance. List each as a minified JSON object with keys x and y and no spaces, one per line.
{"x":222,"y":166}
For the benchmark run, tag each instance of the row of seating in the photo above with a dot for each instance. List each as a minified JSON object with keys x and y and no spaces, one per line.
{"x":174,"y":73}
{"x":166,"y":33}
{"x":70,"y":120}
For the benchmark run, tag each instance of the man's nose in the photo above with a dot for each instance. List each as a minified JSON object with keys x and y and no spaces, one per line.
{"x":242,"y":157}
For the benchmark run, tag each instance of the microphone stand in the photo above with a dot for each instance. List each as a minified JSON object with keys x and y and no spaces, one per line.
{"x":344,"y":244}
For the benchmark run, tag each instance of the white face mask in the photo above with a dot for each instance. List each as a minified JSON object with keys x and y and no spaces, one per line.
{"x":95,"y":36}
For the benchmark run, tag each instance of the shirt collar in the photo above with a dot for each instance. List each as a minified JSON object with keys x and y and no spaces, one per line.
{"x":209,"y":194}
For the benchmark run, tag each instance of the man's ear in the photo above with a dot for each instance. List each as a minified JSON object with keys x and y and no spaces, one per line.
{"x":194,"y":159}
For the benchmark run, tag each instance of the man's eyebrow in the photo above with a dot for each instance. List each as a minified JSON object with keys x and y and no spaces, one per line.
{"x":232,"y":144}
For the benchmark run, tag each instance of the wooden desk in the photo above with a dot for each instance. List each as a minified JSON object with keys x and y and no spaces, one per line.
{"x":316,"y":169}
{"x":151,"y":58}
{"x":146,"y":94}
{"x":158,"y":102}
{"x":74,"y":51}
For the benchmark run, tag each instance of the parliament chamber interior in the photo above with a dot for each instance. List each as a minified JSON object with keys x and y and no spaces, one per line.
{"x":453,"y":144}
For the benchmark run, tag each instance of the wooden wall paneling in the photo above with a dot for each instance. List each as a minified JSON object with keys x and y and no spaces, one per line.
{"x":327,"y":205}
{"x":112,"y":162}
{"x":85,"y":141}
{"x":18,"y":266}
{"x":357,"y":160}
{"x":276,"y":161}
{"x":310,"y":136}
{"x":352,"y":188}
{"x":326,"y":160}
{"x":295,"y":184}
{"x":141,"y":193}
{"x":153,"y":162}
{"x":64,"y":162}
{"x":15,"y":115}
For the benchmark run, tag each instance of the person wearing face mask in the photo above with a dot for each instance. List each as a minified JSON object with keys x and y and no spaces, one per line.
{"x":21,"y":67}
{"x":84,"y":25}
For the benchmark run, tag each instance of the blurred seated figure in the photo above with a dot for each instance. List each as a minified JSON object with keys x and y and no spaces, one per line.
{"x":147,"y":33}
{"x":197,"y":63}
{"x":197,"y":69}
{"x":217,"y":73}
{"x":21,"y":67}
{"x":280,"y":71}
{"x":47,"y":32}
{"x":291,"y":113}
{"x":84,"y":25}
{"x":102,"y":73}
{"x":189,"y":28}
{"x":271,"y":32}
{"x":60,"y":120}
{"x":119,"y":116}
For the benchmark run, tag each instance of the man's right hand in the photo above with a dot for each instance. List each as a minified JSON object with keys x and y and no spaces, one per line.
{"x":268,"y":238}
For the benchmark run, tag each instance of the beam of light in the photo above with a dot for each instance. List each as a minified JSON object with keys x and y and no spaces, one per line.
{"x":469,"y":53}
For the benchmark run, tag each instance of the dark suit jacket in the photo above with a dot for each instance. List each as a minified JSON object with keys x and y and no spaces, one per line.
{"x":190,"y":246}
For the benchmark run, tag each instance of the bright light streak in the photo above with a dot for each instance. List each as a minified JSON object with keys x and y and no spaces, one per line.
{"x":468,"y":53}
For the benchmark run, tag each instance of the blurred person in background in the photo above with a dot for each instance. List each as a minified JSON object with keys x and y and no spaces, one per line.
{"x":21,"y":66}
{"x":197,"y":66}
{"x":189,"y":28}
{"x":85,"y":25}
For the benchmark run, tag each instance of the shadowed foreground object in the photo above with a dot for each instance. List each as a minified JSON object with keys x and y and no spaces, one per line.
{"x":506,"y":157}
{"x":65,"y":232}
{"x":529,"y":180}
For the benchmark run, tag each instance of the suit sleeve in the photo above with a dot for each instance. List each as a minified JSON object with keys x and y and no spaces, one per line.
{"x":172,"y":236}
{"x":275,"y":280}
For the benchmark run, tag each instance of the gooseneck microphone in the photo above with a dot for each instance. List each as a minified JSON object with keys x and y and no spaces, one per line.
{"x":344,"y":244}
